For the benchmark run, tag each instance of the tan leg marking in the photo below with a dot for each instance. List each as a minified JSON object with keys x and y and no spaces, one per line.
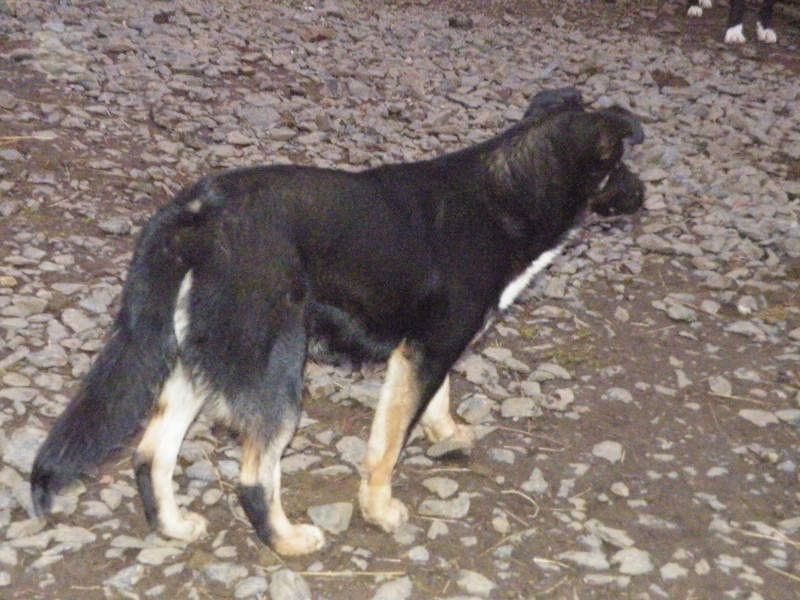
{"x":264,"y":468}
{"x":178,"y":405}
{"x":398,"y":400}
{"x":437,"y":422}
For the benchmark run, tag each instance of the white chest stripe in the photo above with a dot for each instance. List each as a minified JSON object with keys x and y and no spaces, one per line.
{"x":514,"y":288}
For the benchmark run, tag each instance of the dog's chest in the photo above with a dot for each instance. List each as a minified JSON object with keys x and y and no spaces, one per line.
{"x":516,"y":286}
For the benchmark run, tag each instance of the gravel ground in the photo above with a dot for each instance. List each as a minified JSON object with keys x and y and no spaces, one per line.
{"x":638,"y":411}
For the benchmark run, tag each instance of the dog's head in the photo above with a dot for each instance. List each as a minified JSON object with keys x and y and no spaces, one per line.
{"x":595,"y":143}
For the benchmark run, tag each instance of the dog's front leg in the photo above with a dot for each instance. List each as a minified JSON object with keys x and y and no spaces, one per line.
{"x":400,"y":399}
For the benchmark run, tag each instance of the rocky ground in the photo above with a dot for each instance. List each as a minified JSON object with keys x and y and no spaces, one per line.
{"x":638,"y":411}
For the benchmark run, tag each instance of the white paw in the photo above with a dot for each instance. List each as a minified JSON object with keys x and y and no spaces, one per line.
{"x":705,"y":3}
{"x":464,"y":434}
{"x":695,"y":11}
{"x":188,"y":527}
{"x":379,"y":508}
{"x":734,"y":35}
{"x":302,"y":539}
{"x":766,"y":35}
{"x":388,"y":517}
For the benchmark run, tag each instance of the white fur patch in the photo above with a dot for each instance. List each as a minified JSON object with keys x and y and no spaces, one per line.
{"x":695,"y":11}
{"x":180,"y":319}
{"x":765,"y":34}
{"x":705,"y":3}
{"x":734,"y":35}
{"x":515,"y":288}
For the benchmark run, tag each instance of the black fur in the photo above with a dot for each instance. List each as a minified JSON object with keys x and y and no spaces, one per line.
{"x":416,"y":252}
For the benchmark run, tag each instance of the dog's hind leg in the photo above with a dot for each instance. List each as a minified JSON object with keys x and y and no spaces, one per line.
{"x":179,"y":403}
{"x":267,"y":418}
{"x":260,"y":494}
{"x":437,"y":422}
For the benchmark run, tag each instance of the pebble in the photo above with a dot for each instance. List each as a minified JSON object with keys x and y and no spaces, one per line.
{"x":609,"y":450}
{"x":288,"y":585}
{"x":441,"y":486}
{"x":633,"y":561}
{"x":761,"y":418}
{"x":399,"y":589}
{"x":474,"y":583}
{"x":457,"y":508}
{"x":334,"y":518}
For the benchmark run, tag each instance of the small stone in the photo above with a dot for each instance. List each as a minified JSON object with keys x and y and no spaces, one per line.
{"x":157,"y":556}
{"x":673,"y":571}
{"x":419,"y":554}
{"x":620,"y":489}
{"x":441,"y":486}
{"x":226,"y":573}
{"x":474,"y":583}
{"x":399,"y":589}
{"x":288,"y":585}
{"x":456,"y":508}
{"x":334,"y":518}
{"x":536,"y":483}
{"x":22,"y":448}
{"x":476,"y":409}
{"x":618,"y":394}
{"x":593,"y":560}
{"x":610,"y":451}
{"x":519,"y":408}
{"x":251,"y":587}
{"x":633,"y":561}
{"x":616,"y":537}
{"x":719,"y":385}
{"x":352,"y":450}
{"x":115,"y":225}
{"x":76,"y":320}
{"x":761,"y":418}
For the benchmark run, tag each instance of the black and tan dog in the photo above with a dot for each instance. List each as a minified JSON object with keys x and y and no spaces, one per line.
{"x":402,"y":262}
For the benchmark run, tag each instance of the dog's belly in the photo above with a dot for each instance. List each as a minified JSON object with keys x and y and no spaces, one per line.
{"x":335,"y":332}
{"x":515,"y":288}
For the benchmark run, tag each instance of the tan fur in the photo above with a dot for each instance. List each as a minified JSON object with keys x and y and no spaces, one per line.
{"x":398,"y":400}
{"x":437,"y":422}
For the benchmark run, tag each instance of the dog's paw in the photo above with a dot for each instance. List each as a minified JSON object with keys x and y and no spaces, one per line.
{"x":705,"y":3}
{"x":765,"y":34}
{"x":302,"y":539}
{"x":380,"y":509}
{"x":188,"y":527}
{"x":734,"y":35}
{"x":695,"y":11}
{"x":389,"y":517}
{"x":455,"y":434}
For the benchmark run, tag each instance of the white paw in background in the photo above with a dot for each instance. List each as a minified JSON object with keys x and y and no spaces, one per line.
{"x":695,"y":11}
{"x":734,"y":35}
{"x":766,"y":34}
{"x":303,"y":539}
{"x":705,"y":3}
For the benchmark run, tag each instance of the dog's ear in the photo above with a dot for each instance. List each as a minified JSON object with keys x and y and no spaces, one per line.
{"x":616,"y":125}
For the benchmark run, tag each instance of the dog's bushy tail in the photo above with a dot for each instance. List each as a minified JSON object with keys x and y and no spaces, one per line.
{"x":121,"y":386}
